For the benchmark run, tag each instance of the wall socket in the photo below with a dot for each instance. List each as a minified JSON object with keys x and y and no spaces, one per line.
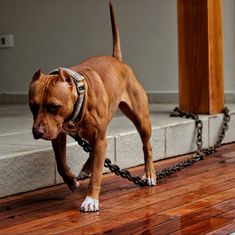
{"x":6,"y":40}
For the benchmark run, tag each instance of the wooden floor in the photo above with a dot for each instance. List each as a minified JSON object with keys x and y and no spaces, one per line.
{"x":197,"y":200}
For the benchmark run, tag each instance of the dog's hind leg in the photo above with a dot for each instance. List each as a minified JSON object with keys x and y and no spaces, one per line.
{"x":86,"y":170}
{"x":138,"y":113}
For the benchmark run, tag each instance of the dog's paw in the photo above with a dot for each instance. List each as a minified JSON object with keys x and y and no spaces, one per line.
{"x":74,"y":186}
{"x":83,"y":175}
{"x":150,"y":181}
{"x":90,"y":205}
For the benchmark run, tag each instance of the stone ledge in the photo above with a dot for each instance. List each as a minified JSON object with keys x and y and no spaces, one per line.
{"x":27,"y":165}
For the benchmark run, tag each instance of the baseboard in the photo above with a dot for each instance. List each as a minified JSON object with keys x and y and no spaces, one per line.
{"x":171,"y":97}
{"x":229,"y":97}
{"x":13,"y":98}
{"x":153,"y":96}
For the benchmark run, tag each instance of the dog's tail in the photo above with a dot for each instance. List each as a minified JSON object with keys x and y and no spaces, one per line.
{"x":116,"y":39}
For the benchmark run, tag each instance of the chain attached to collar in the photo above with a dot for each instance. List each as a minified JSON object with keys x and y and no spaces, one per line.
{"x":199,"y":154}
{"x":83,"y":143}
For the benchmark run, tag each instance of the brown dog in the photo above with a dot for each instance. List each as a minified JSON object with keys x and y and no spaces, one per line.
{"x":83,"y":99}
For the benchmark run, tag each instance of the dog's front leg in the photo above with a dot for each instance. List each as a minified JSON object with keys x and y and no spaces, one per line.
{"x":91,"y":203}
{"x":59,"y":147}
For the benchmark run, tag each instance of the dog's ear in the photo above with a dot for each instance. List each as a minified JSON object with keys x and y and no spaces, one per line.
{"x":37,"y":75}
{"x":64,"y":76}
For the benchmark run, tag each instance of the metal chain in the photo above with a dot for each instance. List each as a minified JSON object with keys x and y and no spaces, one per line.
{"x":124,"y":173}
{"x":112,"y":167}
{"x":83,"y":143}
{"x":207,"y":151}
{"x":199,"y":154}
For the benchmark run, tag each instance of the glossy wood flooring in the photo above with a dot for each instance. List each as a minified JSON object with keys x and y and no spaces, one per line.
{"x":197,"y":200}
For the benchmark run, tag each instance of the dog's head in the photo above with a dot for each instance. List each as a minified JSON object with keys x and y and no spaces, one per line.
{"x":51,"y":100}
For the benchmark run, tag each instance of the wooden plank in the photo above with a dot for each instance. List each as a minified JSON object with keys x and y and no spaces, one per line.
{"x":140,"y":200}
{"x":126,"y":224}
{"x":111,"y":179}
{"x":209,"y":166}
{"x":112,"y":185}
{"x":206,"y":168}
{"x":200,"y":42}
{"x":149,"y":217}
{"x":197,"y":204}
{"x":198,"y":216}
{"x":227,"y":229}
{"x":204,"y":226}
{"x":194,"y":220}
{"x":220,"y":209}
{"x":179,"y":199}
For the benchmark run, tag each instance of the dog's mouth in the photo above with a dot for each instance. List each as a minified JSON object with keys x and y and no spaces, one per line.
{"x":39,"y":134}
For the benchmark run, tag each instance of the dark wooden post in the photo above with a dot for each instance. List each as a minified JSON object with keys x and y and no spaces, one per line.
{"x":200,"y":39}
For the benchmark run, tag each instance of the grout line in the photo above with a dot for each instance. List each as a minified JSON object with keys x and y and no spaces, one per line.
{"x":209,"y":128}
{"x":165,"y":140}
{"x":115,"y":150}
{"x":15,"y":133}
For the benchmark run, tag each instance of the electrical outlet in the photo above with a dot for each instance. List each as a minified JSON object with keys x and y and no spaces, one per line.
{"x":6,"y":40}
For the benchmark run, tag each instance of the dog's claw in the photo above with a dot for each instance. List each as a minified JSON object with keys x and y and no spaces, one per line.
{"x":90,"y":205}
{"x":150,"y":181}
{"x":83,"y":175}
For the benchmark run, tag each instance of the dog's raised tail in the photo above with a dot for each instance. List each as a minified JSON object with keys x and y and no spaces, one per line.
{"x":116,"y":39}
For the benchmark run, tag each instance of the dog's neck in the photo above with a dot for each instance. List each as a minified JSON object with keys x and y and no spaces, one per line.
{"x":78,"y":110}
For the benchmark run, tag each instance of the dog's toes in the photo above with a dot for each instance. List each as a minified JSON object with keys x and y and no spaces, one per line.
{"x":150,"y":181}
{"x":90,"y":205}
{"x":83,"y":175}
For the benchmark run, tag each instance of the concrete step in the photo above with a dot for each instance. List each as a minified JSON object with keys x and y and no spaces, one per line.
{"x":27,"y":164}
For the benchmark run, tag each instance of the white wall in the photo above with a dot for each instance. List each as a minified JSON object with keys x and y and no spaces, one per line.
{"x":52,"y":33}
{"x":229,"y":44}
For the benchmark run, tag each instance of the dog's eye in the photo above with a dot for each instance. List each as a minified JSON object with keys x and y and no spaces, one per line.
{"x":52,"y":108}
{"x":34,"y":108}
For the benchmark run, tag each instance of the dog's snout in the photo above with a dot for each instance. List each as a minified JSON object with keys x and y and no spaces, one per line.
{"x":38,"y":132}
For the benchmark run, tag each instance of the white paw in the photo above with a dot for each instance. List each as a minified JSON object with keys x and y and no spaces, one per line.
{"x":90,"y":205}
{"x":150,"y":181}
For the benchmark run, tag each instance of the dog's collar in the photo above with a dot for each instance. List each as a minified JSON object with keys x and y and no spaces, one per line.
{"x":77,"y":114}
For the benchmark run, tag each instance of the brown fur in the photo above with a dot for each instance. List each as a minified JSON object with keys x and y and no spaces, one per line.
{"x":110,"y":84}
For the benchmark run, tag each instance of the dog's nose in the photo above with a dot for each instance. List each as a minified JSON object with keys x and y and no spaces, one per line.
{"x":38,"y":132}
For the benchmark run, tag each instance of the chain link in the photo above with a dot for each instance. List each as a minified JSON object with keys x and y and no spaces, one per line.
{"x":206,"y":151}
{"x":83,"y":143}
{"x":124,"y":173}
{"x":199,"y":154}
